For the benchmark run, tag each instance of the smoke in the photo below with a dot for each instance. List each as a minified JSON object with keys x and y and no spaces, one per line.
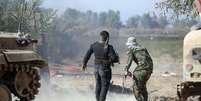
{"x":62,"y":89}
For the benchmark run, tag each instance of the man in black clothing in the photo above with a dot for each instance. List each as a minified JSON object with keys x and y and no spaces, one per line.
{"x":105,"y":56}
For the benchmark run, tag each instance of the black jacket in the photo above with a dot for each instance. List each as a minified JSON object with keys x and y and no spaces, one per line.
{"x":102,"y":55}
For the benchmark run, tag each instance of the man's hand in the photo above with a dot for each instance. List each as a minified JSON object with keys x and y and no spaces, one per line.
{"x":126,"y":69}
{"x":127,"y":72}
{"x":84,"y":66}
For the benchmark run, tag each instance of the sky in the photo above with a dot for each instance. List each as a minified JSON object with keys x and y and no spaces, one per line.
{"x":127,"y":8}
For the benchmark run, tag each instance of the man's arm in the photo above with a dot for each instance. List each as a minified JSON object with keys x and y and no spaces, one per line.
{"x":114,"y":58}
{"x":129,"y":61}
{"x":87,"y":57}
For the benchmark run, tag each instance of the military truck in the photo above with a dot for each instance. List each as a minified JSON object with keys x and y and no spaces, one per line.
{"x":191,"y":85}
{"x":19,"y":67}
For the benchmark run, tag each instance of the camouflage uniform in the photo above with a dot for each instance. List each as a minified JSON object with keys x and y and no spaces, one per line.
{"x":142,"y":72}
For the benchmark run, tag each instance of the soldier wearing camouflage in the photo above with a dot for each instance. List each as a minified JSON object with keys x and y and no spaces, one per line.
{"x":143,"y":71}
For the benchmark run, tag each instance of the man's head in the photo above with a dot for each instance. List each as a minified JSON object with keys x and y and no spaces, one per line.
{"x":131,"y":42}
{"x":104,"y":35}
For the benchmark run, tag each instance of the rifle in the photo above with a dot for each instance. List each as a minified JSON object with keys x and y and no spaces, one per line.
{"x":106,"y":49}
{"x":128,"y":73}
{"x":106,"y":43}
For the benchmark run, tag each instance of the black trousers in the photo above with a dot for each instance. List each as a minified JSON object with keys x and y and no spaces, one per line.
{"x":103,"y":75}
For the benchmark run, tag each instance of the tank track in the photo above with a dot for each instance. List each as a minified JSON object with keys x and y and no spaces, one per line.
{"x":5,"y":93}
{"x":22,"y":79}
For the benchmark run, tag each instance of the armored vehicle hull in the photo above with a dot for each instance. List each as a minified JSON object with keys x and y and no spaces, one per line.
{"x":191,"y":85}
{"x":19,"y":69}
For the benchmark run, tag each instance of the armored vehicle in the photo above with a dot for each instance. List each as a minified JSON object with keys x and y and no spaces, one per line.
{"x":191,"y":85}
{"x":19,"y":67}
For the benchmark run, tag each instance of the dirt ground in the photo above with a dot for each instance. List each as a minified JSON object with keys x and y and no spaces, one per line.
{"x":161,"y":87}
{"x":83,"y":86}
{"x":76,"y":86}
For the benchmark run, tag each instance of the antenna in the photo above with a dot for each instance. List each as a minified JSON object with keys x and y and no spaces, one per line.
{"x":18,"y":30}
{"x":21,"y":16}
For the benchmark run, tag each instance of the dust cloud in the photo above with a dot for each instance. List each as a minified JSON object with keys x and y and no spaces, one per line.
{"x":61,"y":89}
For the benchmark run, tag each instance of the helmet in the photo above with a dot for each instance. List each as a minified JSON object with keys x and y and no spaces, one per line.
{"x":28,"y":36}
{"x":131,"y":41}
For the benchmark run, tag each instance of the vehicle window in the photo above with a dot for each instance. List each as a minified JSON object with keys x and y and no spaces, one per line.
{"x":196,"y":54}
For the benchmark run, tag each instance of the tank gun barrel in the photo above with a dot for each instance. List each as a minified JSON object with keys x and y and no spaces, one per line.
{"x":34,"y":41}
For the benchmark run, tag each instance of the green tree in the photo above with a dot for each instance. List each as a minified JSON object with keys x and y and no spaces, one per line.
{"x":113,"y":19}
{"x":25,"y":15}
{"x":162,"y":21}
{"x":91,"y":19}
{"x":184,"y":23}
{"x":133,"y":21}
{"x":102,"y":18}
{"x":148,"y":21}
{"x":177,"y":8}
{"x":110,"y":19}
